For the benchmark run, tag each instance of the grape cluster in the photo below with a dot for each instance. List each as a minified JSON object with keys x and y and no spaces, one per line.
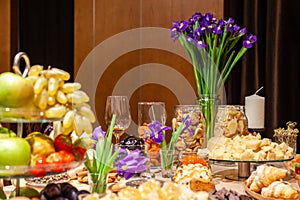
{"x":61,"y":99}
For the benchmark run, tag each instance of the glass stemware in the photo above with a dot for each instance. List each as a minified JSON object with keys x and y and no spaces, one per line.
{"x":8,"y":188}
{"x":118,"y":105}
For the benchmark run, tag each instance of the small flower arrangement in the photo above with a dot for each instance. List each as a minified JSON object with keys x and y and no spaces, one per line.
{"x":128,"y":161}
{"x":101,"y":159}
{"x":156,"y":132}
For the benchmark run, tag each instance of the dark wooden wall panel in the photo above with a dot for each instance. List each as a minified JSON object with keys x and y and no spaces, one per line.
{"x":97,"y":22}
{"x":5,"y":63}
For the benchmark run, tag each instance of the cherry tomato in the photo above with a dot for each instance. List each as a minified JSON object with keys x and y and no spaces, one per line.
{"x":297,"y":169}
{"x":79,"y":152}
{"x":55,"y":159}
{"x":67,"y":156}
{"x":38,"y":171}
{"x":63,"y":142}
{"x":38,"y":167}
{"x":41,"y":160}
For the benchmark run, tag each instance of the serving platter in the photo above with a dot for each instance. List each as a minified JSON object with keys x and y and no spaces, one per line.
{"x":25,"y":171}
{"x":259,"y":196}
{"x":43,"y":181}
{"x":23,"y":115}
{"x":243,"y":171}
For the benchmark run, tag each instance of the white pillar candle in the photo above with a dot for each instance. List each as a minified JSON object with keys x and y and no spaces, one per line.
{"x":255,"y":111}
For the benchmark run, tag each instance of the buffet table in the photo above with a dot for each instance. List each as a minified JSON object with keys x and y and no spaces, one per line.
{"x":220,"y":172}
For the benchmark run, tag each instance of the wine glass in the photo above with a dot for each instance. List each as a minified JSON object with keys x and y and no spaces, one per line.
{"x":8,"y":188}
{"x":118,"y":105}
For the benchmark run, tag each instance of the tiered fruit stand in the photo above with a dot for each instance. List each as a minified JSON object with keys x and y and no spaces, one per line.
{"x":25,"y":171}
{"x":22,"y":116}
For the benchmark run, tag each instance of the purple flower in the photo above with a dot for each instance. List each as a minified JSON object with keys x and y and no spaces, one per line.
{"x":132,"y":163}
{"x":183,"y":25}
{"x":97,"y":133}
{"x":230,"y":24}
{"x":251,"y":39}
{"x":200,"y":44}
{"x":156,"y":131}
{"x":243,"y":31}
{"x":187,"y":123}
{"x":218,"y":30}
{"x":199,"y":32}
{"x":196,"y":17}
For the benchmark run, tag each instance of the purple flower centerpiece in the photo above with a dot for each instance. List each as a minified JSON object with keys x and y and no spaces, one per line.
{"x":214,"y":47}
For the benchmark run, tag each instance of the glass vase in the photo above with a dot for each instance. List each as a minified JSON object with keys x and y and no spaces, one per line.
{"x":167,"y":158}
{"x":231,"y":121}
{"x":97,"y":182}
{"x":192,"y":139}
{"x":209,"y":104}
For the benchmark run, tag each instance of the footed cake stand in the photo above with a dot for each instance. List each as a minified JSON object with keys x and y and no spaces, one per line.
{"x":244,"y":167}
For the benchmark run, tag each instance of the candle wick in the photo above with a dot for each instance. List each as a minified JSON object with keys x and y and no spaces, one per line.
{"x":259,"y":89}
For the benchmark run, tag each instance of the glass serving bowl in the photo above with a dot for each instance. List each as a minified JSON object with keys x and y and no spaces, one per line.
{"x":23,"y":115}
{"x":23,"y":171}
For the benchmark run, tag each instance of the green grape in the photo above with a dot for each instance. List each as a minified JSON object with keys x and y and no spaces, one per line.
{"x":70,"y":87}
{"x":40,"y":84}
{"x":61,"y":97}
{"x":52,"y":86}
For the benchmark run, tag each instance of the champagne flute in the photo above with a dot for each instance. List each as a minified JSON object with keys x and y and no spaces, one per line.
{"x":118,"y":105}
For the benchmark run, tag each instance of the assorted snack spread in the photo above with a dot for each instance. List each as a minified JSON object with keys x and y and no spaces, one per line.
{"x":152,"y":189}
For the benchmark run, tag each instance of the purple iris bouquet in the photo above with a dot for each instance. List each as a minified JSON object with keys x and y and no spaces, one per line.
{"x":214,"y":47}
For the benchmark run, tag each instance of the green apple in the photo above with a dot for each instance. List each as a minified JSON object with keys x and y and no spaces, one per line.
{"x":15,"y":151}
{"x":5,"y":132}
{"x":15,"y":91}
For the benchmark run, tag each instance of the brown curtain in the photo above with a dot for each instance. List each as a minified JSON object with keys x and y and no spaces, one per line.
{"x":273,"y":63}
